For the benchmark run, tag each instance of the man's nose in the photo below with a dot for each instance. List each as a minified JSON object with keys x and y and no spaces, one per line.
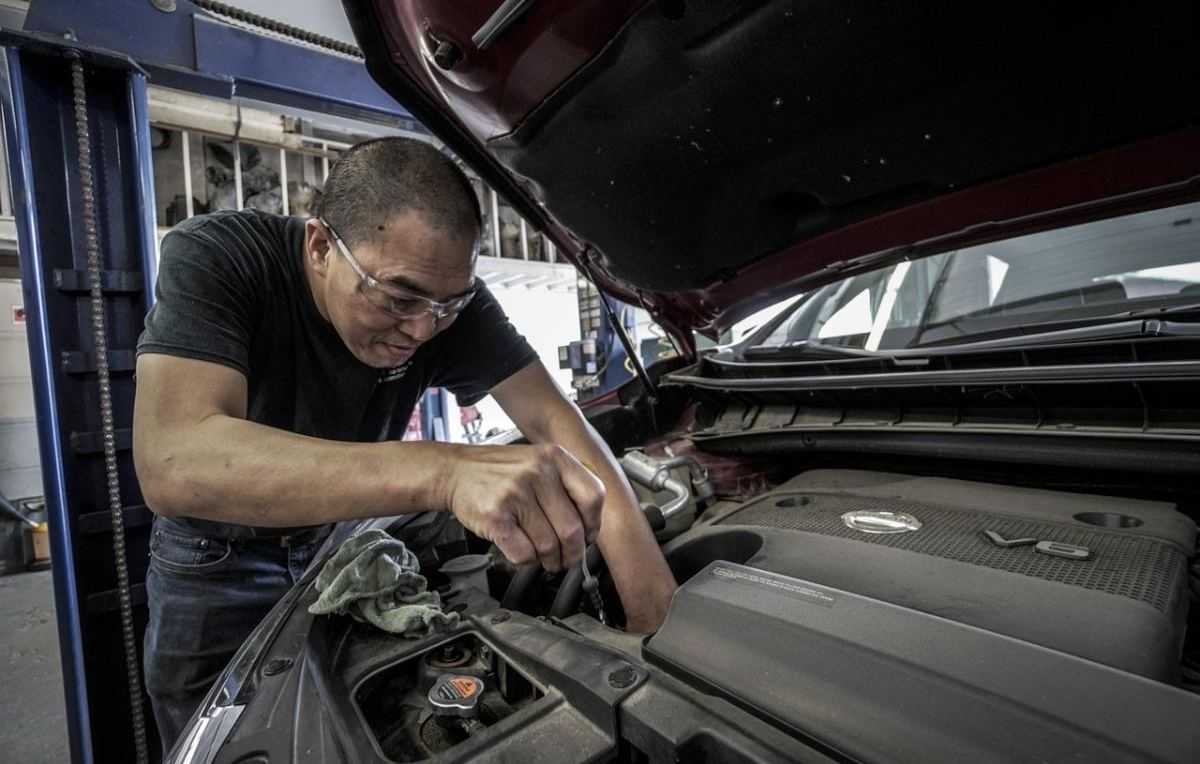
{"x":421,"y":327}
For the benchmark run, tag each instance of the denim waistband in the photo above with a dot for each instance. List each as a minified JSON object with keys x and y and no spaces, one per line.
{"x":232,"y":531}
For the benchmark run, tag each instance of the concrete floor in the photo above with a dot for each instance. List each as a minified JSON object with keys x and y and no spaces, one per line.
{"x":33,"y":724}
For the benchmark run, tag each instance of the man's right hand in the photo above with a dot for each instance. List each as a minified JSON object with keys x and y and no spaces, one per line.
{"x":536,"y":503}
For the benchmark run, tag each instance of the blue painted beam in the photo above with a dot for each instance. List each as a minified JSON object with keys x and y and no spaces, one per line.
{"x":143,"y":184}
{"x":134,"y":27}
{"x":309,"y":78}
{"x":193,"y":50}
{"x":41,"y":356}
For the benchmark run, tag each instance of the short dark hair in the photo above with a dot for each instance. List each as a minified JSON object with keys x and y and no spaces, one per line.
{"x":376,"y":179}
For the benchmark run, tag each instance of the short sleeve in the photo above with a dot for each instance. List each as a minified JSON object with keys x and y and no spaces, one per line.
{"x":480,"y":350}
{"x":205,"y":300}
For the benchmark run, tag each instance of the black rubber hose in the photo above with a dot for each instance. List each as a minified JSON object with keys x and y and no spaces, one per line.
{"x":654,"y":516}
{"x":519,"y":586}
{"x":566,"y":601}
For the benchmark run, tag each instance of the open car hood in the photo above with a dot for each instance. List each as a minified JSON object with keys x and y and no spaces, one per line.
{"x":705,"y":157}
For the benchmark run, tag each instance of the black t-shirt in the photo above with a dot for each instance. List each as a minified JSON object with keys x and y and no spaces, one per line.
{"x":232,"y":290}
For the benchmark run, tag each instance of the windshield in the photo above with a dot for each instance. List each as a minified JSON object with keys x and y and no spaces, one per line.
{"x":1096,"y":269}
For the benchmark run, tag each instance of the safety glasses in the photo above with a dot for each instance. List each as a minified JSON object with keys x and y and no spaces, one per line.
{"x":395,"y":300}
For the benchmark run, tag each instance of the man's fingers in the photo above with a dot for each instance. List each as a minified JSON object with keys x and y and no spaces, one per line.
{"x":540,"y":504}
{"x":585,"y":490}
{"x":541,"y":533}
{"x":564,"y":518}
{"x":515,"y":545}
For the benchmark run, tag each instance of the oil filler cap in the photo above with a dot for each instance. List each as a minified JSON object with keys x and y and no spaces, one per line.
{"x":456,"y":695}
{"x":881,"y":521}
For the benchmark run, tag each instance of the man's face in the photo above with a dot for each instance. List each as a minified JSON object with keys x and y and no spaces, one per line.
{"x":405,"y":252}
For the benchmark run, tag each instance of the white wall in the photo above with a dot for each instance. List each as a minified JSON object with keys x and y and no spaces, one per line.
{"x":548,"y":319}
{"x":20,"y":467}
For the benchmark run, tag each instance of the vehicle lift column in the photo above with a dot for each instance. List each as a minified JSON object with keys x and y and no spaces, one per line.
{"x":87,"y":252}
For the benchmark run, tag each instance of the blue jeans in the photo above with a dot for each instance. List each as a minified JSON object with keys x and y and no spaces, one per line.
{"x":205,"y":596}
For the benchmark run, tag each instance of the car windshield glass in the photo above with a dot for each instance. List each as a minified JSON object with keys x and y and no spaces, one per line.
{"x":1097,"y":269}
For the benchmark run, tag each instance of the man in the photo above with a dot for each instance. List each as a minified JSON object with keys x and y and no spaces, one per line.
{"x":276,"y":376}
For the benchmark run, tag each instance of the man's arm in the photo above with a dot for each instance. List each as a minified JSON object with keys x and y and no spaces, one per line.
{"x":536,"y":405}
{"x":197,"y":456}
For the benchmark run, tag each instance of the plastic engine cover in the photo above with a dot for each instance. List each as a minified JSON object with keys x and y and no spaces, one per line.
{"x":1125,"y":605}
{"x":879,"y":682}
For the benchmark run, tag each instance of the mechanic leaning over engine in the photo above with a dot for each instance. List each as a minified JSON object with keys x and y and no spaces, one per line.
{"x":276,"y":376}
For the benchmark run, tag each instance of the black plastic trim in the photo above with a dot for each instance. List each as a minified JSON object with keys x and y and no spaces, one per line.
{"x":1102,"y":372}
{"x":1049,"y":449}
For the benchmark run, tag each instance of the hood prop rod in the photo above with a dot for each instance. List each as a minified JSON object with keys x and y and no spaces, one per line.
{"x":499,"y":22}
{"x":627,"y":343}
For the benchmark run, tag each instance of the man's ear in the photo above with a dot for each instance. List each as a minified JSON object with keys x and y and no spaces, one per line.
{"x":318,"y":249}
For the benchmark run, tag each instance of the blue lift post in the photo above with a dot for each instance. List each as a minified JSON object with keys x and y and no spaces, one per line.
{"x":41,"y":140}
{"x":186,"y":49}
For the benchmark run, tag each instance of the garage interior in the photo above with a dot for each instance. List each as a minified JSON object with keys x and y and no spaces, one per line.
{"x":897,"y":360}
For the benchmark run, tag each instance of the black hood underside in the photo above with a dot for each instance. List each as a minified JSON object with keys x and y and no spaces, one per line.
{"x":710,"y":134}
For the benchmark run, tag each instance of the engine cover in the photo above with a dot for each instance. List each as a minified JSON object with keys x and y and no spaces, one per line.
{"x":1122,"y":601}
{"x":878,"y":682}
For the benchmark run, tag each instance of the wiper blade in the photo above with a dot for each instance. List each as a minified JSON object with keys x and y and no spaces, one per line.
{"x":805,"y":350}
{"x":1129,"y":324}
{"x":1041,"y":327}
{"x":1110,"y":330}
{"x":1164,"y":310}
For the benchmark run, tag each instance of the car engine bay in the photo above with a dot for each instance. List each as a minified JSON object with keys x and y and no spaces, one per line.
{"x":829,"y":614}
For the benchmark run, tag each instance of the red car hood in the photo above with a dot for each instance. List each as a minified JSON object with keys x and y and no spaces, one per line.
{"x":705,"y":158}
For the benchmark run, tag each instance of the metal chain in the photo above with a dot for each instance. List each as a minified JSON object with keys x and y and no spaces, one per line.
{"x":107,"y":425}
{"x":278,"y":27}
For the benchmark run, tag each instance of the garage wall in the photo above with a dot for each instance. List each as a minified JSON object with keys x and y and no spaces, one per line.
{"x":20,"y":467}
{"x":548,"y":318}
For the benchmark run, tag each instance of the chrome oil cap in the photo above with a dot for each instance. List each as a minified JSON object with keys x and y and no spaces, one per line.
{"x":881,"y":521}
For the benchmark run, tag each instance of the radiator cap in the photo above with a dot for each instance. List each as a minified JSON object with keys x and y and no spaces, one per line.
{"x":456,"y":695}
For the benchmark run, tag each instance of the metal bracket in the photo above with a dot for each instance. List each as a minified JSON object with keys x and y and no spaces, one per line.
{"x":96,"y":523}
{"x":114,"y":282}
{"x":110,"y":601}
{"x":80,"y":362}
{"x":57,"y":45}
{"x":92,"y":442}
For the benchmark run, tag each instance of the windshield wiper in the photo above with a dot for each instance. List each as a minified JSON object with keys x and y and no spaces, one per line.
{"x":1040,"y":327}
{"x":1129,"y":324}
{"x":807,"y":350}
{"x":1109,"y":330}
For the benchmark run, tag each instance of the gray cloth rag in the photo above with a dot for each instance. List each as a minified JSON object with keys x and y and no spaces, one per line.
{"x":374,"y":578}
